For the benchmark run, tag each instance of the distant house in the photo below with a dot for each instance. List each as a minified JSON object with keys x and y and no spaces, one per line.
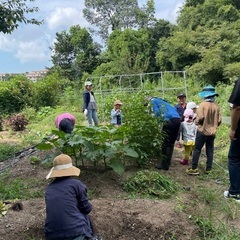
{"x":33,"y":76}
{"x":36,"y":75}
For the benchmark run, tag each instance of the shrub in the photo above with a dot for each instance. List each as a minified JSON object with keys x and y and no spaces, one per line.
{"x":17,"y":122}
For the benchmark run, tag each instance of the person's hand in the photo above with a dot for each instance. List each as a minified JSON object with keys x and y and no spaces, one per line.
{"x":232,"y":135}
{"x":85,"y":112}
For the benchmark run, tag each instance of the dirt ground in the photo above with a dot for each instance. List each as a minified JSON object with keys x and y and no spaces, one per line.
{"x":115,"y":215}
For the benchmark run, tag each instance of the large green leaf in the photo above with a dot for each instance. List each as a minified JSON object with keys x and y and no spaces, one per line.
{"x":130,"y":152}
{"x":44,"y":146}
{"x":116,"y":165}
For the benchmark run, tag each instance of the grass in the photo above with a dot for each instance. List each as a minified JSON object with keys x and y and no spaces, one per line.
{"x":8,"y":151}
{"x":19,"y":188}
{"x":204,"y":203}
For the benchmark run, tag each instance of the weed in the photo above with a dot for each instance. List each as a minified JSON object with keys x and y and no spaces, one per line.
{"x":18,"y":188}
{"x":150,"y":184}
{"x":7,"y":151}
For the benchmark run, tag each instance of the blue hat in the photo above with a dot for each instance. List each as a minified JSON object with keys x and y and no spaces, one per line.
{"x":208,"y":91}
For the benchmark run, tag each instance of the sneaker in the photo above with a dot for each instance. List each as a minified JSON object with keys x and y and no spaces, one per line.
{"x":236,"y":197}
{"x":178,"y":145}
{"x":160,"y":167}
{"x":191,"y":171}
{"x":208,"y":171}
{"x":184,"y":162}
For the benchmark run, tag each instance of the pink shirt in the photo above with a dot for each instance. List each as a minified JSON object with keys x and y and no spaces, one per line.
{"x":60,"y":117}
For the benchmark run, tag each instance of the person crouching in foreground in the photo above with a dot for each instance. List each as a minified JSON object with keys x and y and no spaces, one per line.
{"x":67,"y":205}
{"x":65,"y":122}
{"x":171,"y":118}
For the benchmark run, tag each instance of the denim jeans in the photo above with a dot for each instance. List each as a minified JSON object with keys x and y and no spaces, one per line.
{"x":234,"y":166}
{"x":202,"y":139}
{"x":92,"y":116}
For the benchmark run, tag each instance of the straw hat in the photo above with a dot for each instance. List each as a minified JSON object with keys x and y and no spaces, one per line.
{"x":117,"y":102}
{"x":62,"y":167}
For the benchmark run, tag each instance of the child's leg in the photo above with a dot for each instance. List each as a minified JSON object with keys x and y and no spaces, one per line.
{"x":188,"y":149}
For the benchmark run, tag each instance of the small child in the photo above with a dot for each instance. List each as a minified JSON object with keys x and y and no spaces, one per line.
{"x":194,"y":107}
{"x":116,"y":114}
{"x":188,"y":129}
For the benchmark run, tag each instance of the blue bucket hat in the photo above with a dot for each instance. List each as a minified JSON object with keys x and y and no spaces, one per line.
{"x":208,"y":91}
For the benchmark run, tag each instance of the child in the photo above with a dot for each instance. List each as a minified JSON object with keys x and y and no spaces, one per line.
{"x":188,"y":129}
{"x":193,"y":106}
{"x":116,"y":114}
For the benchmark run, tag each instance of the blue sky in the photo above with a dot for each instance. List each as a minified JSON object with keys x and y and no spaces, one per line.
{"x":27,"y":48}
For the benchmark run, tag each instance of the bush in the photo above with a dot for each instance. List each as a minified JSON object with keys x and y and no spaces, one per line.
{"x":17,"y":122}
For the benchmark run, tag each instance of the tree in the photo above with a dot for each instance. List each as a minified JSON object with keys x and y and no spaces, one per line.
{"x":74,"y":52}
{"x":12,"y":12}
{"x":112,"y":15}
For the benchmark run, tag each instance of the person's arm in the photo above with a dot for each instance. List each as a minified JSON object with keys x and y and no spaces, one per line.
{"x":235,"y":116}
{"x":84,"y":205}
{"x":85,"y":97}
{"x":200,"y":115}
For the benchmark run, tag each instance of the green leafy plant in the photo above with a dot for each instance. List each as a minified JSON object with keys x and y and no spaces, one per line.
{"x":150,"y":184}
{"x":102,"y":145}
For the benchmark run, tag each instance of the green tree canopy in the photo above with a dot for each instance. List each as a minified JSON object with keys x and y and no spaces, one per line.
{"x":75,"y":52}
{"x":112,"y":15}
{"x":13,"y":12}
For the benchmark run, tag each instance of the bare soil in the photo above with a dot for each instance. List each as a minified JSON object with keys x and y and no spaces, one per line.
{"x":115,"y":215}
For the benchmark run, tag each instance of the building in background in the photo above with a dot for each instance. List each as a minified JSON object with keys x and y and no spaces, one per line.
{"x":33,"y":76}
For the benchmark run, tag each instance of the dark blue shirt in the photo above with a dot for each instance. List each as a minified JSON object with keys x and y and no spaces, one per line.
{"x":180,"y":109}
{"x":163,"y":109}
{"x":67,"y":209}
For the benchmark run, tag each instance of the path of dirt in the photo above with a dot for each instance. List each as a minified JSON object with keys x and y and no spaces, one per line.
{"x":114,"y":214}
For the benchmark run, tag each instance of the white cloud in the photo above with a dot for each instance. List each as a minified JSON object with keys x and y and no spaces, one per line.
{"x":32,"y":51}
{"x":26,"y":51}
{"x":6,"y":43}
{"x":64,"y":17}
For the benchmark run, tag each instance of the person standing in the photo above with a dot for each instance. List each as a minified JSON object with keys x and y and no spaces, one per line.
{"x":89,"y":104}
{"x":65,"y":122}
{"x":208,"y":119}
{"x":171,"y":119}
{"x":234,"y":150}
{"x":188,"y":130}
{"x":116,"y":114}
{"x":180,"y":107}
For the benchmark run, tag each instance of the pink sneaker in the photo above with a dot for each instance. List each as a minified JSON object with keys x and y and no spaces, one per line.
{"x":184,"y":162}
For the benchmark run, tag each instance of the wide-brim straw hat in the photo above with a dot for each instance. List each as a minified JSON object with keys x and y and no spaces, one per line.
{"x":117,"y":102}
{"x":62,"y":167}
{"x":208,"y":91}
